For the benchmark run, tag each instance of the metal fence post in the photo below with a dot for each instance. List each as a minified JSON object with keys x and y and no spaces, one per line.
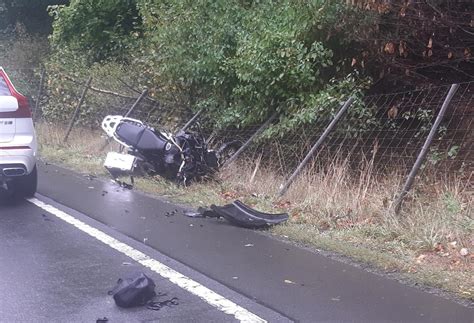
{"x":424,"y":150}
{"x":136,"y":103}
{"x":78,"y":108}
{"x":337,"y":117}
{"x":250,"y":140}
{"x":191,"y":121}
{"x":38,"y":97}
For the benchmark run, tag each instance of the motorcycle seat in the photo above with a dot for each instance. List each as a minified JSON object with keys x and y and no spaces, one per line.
{"x":140,"y":137}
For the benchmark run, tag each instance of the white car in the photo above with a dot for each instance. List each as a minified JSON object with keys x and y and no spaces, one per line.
{"x":18,"y":146}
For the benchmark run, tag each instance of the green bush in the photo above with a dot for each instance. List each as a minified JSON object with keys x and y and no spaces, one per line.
{"x":240,"y":60}
{"x":97,"y":29}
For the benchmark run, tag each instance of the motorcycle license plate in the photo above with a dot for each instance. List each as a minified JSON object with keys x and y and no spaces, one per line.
{"x":120,"y":161}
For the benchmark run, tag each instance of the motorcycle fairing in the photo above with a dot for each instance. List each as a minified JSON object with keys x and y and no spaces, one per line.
{"x":242,"y":215}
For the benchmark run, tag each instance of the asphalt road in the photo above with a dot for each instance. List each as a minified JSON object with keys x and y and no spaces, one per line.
{"x":51,"y":271}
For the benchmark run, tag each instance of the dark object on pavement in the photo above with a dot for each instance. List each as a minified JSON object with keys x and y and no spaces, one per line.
{"x":102,"y":320}
{"x":135,"y":290}
{"x":242,"y":215}
{"x":208,"y":213}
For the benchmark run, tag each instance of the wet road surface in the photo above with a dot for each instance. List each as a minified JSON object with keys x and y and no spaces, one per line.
{"x":270,"y":278}
{"x":52,"y":272}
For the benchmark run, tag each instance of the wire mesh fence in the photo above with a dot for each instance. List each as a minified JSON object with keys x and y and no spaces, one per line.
{"x":388,"y":141}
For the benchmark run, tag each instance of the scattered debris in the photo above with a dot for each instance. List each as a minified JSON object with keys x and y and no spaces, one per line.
{"x":102,"y":320}
{"x":46,"y":218}
{"x":287,"y":281}
{"x":90,"y":176}
{"x":464,"y":252}
{"x":193,"y":214}
{"x":156,"y":306}
{"x":171,"y":213}
{"x":248,"y":245}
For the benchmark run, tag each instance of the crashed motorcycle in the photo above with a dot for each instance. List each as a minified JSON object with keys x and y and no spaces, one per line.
{"x":182,"y":157}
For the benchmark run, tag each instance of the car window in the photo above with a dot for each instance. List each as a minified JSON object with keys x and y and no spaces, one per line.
{"x":4,"y":90}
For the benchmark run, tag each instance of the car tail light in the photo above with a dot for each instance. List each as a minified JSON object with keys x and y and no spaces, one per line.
{"x":23,"y":104}
{"x":23,"y":107}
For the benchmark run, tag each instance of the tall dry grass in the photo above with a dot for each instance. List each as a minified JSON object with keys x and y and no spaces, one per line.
{"x":336,"y":198}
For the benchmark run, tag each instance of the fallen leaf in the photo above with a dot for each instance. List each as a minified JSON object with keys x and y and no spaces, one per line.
{"x":403,"y":12}
{"x":420,"y":259}
{"x":392,"y":112}
{"x":430,"y":43}
{"x":389,"y":48}
{"x":467,"y":53}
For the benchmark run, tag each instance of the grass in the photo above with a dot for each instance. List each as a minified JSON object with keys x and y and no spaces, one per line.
{"x":329,"y":210}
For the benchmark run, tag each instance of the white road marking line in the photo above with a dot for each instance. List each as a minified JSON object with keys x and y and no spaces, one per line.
{"x":186,"y":283}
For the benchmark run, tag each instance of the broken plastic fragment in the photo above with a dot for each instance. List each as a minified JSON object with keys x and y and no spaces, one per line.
{"x":193,"y":214}
{"x":242,"y":215}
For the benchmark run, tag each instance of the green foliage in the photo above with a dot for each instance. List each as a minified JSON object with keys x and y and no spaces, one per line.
{"x":239,"y":60}
{"x":98,"y":29}
{"x":243,"y":60}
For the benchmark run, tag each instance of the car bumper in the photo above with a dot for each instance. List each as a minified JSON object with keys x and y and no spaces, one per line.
{"x":22,"y":158}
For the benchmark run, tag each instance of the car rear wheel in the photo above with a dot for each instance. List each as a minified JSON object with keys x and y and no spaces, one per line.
{"x":25,"y":186}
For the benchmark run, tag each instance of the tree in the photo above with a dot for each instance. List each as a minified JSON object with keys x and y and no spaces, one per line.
{"x":415,"y":43}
